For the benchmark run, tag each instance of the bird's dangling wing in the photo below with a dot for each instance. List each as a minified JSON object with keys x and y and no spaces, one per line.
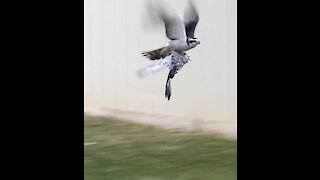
{"x":171,"y":74}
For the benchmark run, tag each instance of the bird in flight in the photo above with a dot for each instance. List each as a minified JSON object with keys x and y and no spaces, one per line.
{"x":180,"y":32}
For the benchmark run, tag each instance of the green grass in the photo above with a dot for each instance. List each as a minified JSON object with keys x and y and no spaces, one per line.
{"x":129,"y":151}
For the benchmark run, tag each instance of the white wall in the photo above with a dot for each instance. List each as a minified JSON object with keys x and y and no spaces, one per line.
{"x":114,"y":39}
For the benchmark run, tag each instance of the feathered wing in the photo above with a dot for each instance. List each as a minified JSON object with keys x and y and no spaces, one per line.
{"x":173,"y":22}
{"x":171,"y":74}
{"x":191,"y":19}
{"x":158,"y":53}
{"x":168,"y":89}
{"x":157,"y":67}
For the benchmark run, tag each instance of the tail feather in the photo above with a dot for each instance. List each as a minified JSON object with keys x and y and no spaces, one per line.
{"x":158,"y":53}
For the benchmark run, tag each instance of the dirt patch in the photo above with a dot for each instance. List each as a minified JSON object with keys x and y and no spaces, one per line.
{"x":226,"y":130}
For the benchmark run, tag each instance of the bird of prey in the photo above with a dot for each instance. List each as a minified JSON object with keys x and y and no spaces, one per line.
{"x":180,"y":32}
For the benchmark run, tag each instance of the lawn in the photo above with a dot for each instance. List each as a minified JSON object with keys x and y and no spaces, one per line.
{"x":128,"y":151}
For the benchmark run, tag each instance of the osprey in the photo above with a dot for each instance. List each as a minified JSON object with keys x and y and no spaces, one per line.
{"x":180,"y":30}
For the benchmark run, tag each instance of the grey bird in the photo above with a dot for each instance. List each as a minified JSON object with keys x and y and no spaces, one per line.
{"x":180,"y":30}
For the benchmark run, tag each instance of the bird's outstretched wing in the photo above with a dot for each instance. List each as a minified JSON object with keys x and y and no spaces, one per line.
{"x":191,"y":17}
{"x":173,"y":22}
{"x":156,"y":67}
{"x":158,"y":53}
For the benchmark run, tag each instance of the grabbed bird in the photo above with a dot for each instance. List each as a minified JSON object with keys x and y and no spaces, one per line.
{"x":180,"y":30}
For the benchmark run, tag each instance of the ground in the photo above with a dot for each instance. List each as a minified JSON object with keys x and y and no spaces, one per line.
{"x":218,"y":128}
{"x":126,"y":150}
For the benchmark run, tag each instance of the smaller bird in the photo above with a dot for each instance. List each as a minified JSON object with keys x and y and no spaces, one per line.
{"x":174,"y":62}
{"x":178,"y":60}
{"x":180,"y":30}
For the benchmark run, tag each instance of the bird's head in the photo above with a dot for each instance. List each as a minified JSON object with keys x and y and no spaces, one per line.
{"x":193,"y":41}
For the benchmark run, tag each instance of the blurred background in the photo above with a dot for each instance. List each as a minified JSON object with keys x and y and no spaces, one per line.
{"x":204,"y":96}
{"x":116,"y":34}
